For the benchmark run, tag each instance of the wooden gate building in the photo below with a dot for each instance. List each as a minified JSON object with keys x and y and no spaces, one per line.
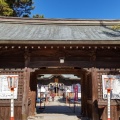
{"x":90,"y":49}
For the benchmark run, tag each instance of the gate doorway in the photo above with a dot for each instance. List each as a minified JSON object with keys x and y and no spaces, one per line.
{"x":59,"y":82}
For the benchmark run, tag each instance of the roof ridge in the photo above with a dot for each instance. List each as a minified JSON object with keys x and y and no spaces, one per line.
{"x":17,"y":20}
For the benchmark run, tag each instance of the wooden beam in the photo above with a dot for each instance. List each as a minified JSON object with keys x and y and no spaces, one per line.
{"x":57,"y":58}
{"x":59,"y":71}
{"x":38,"y":64}
{"x":11,"y":64}
{"x":81,"y":64}
{"x":59,"y":42}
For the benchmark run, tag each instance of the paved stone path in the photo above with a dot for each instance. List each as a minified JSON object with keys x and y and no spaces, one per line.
{"x":57,"y":110}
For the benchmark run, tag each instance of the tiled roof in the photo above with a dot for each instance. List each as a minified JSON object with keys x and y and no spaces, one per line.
{"x":45,"y":29}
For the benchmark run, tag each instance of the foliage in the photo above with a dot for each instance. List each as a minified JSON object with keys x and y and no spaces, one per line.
{"x":19,"y":8}
{"x":116,"y":27}
{"x":23,"y":8}
{"x":5,"y":9}
{"x":38,"y":16}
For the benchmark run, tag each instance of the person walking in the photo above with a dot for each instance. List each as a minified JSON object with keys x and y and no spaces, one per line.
{"x":52,"y":95}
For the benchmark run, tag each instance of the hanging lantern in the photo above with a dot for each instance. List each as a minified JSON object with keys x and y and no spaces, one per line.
{"x":108,"y":83}
{"x":56,"y":80}
{"x":12,"y":82}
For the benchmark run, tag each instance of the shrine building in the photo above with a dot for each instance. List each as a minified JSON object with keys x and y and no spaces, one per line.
{"x":89,"y":49}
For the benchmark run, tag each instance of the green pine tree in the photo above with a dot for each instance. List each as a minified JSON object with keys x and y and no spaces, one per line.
{"x":11,"y":8}
{"x":5,"y":9}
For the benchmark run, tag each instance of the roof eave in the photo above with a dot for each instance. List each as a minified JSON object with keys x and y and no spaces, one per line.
{"x":67,"y":42}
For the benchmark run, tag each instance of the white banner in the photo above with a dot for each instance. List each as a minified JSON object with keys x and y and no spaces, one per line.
{"x":112,"y":81}
{"x":5,"y":92}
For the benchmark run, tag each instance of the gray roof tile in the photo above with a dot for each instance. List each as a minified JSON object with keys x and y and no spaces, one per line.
{"x":18,"y":31}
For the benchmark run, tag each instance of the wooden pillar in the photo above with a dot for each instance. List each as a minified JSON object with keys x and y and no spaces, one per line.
{"x":25,"y":93}
{"x":33,"y":89}
{"x":81,"y":76}
{"x":32,"y":108}
{"x":86,"y":94}
{"x":84,"y":90}
{"x":94,"y":86}
{"x":82,"y":95}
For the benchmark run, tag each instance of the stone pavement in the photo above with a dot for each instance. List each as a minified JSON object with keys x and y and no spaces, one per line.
{"x":58,"y":110}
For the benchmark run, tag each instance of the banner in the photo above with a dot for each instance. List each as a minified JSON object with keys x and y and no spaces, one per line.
{"x":112,"y":81}
{"x":5,"y":92}
{"x":76,"y":92}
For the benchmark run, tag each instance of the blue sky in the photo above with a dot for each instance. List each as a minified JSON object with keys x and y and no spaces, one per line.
{"x":78,"y":9}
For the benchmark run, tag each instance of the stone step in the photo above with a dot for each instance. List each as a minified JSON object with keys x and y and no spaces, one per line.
{"x":56,"y":117}
{"x":53,"y":117}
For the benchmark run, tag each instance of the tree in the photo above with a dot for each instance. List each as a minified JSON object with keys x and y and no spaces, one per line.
{"x":116,"y":27}
{"x":38,"y":16}
{"x":19,"y":8}
{"x":5,"y":9}
{"x":22,"y":8}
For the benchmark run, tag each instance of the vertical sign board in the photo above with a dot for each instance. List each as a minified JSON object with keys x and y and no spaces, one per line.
{"x":110,"y":83}
{"x":115,"y":83}
{"x":76,"y":93}
{"x":5,"y":92}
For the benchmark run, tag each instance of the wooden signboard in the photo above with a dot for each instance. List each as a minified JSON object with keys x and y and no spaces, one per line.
{"x":5,"y":92}
{"x":112,"y":81}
